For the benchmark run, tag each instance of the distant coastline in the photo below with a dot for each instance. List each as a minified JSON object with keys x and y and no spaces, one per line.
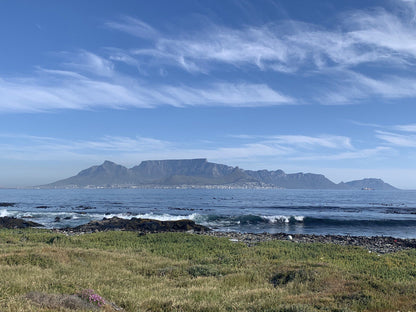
{"x":199,"y":173}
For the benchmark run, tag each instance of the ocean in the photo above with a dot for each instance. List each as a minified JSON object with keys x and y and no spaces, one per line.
{"x":343,"y":212}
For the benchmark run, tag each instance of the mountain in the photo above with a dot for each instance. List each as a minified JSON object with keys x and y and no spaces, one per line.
{"x":106,"y":174}
{"x":370,"y":184}
{"x":187,"y":171}
{"x":293,"y":181}
{"x":200,"y":172}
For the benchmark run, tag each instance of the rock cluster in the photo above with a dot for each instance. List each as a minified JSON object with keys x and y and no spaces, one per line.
{"x":378,"y":244}
{"x":15,"y":223}
{"x":141,"y":225}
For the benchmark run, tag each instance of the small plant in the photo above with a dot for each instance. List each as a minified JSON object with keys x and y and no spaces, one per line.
{"x":92,"y":297}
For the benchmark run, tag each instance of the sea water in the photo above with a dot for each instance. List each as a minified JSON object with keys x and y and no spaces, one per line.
{"x":343,"y":212}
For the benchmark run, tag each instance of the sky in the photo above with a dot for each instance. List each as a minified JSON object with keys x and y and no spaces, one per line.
{"x":324,"y":86}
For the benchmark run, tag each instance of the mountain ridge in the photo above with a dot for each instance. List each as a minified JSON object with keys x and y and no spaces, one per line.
{"x":199,"y":172}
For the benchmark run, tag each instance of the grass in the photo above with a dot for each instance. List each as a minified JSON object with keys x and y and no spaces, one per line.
{"x":185,"y":272}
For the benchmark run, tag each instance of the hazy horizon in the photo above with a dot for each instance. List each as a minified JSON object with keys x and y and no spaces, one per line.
{"x":303,"y":86}
{"x":98,"y":164}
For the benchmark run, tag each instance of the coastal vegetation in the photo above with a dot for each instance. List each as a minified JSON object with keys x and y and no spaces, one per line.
{"x":189,"y":272}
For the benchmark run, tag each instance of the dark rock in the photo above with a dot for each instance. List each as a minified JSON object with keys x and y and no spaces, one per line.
{"x":5,"y":204}
{"x":378,"y":244}
{"x":42,"y":207}
{"x":82,"y":207}
{"x":15,"y":223}
{"x":143,"y":225}
{"x":57,"y":219}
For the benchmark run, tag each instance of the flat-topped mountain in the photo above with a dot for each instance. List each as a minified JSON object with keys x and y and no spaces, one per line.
{"x":200,"y":172}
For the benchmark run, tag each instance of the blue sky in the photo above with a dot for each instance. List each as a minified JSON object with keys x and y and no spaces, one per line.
{"x":304,"y":86}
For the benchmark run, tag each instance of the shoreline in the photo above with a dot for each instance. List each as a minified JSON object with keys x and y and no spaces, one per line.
{"x":377,"y":244}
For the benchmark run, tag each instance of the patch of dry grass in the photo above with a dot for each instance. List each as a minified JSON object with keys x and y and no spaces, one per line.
{"x":184,"y":272}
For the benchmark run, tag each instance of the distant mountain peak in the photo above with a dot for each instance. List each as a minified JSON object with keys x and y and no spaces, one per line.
{"x":109,"y":163}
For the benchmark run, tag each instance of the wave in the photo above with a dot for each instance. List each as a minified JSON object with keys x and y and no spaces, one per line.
{"x":251,"y":219}
{"x":160,"y":217}
{"x":5,"y":213}
{"x":219,"y":221}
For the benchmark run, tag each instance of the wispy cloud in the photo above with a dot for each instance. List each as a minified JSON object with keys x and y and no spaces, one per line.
{"x":134,"y":27}
{"x":28,"y":147}
{"x":396,"y":139}
{"x":350,"y":87}
{"x":85,"y":80}
{"x":364,"y":37}
{"x":393,"y":32}
{"x":302,"y":141}
{"x":379,"y":151}
{"x":87,"y":62}
{"x":402,"y":128}
{"x":133,"y":148}
{"x":327,"y":141}
{"x":339,"y":56}
{"x":70,"y":89}
{"x":406,"y":128}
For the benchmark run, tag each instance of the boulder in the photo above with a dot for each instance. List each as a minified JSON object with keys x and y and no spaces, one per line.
{"x":15,"y":223}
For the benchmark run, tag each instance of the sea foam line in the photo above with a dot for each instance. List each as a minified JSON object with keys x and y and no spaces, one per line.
{"x":162,"y":217}
{"x":284,"y":219}
{"x":4,"y":213}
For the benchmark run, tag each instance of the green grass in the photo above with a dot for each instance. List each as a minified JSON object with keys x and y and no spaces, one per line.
{"x":185,"y":272}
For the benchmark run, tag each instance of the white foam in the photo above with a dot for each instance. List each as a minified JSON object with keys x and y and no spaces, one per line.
{"x":284,"y":219}
{"x":163,"y":217}
{"x":4,"y":213}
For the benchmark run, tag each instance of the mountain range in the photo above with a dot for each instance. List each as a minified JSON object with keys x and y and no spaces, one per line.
{"x":201,"y":173}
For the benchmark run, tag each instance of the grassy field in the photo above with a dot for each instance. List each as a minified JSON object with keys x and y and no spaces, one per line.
{"x":185,"y":272}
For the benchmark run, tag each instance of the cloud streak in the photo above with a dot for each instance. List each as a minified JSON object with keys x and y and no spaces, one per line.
{"x":396,"y":139}
{"x":288,"y":46}
{"x":63,"y":89}
{"x":336,"y":56}
{"x":132,"y":148}
{"x":340,"y":57}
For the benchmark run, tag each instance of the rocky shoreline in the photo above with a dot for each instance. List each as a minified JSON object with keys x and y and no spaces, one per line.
{"x":377,"y":244}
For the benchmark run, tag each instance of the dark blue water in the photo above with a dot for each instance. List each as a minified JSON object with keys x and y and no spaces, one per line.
{"x":369,"y":213}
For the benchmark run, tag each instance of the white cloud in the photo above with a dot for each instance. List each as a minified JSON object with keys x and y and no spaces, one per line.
{"x":357,"y":154}
{"x":327,"y":141}
{"x":397,"y":139}
{"x":381,"y":29}
{"x":27,"y":147}
{"x":375,"y":36}
{"x":57,"y":89}
{"x":349,"y":87}
{"x":91,"y":63}
{"x":134,"y":27}
{"x":87,"y":80}
{"x":226,"y":94}
{"x":290,"y":147}
{"x":406,"y":128}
